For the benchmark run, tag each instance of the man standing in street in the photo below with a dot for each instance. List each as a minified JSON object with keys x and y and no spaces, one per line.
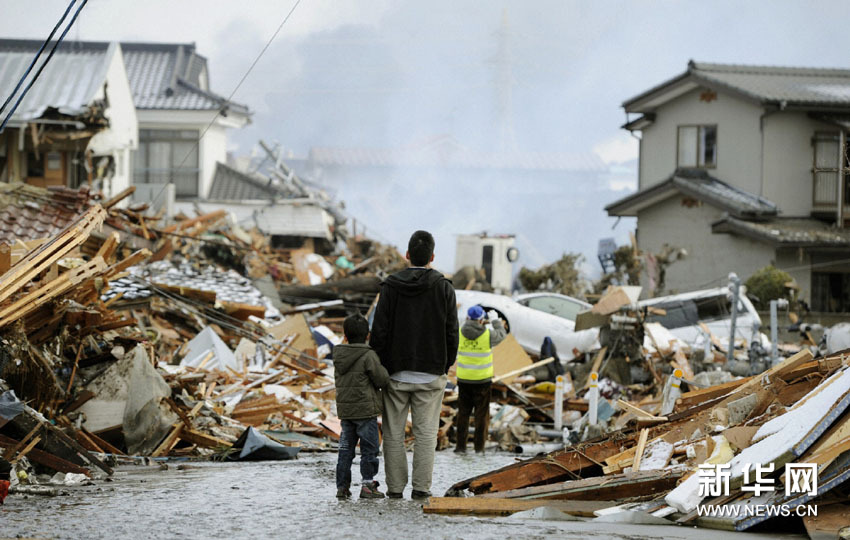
{"x":415,"y":333}
{"x":475,"y":375}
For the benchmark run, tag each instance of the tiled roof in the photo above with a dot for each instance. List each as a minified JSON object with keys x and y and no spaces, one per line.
{"x":446,"y":152}
{"x":776,"y":85}
{"x":697,"y":184}
{"x":170,"y":76}
{"x":29,"y":212}
{"x":232,"y":185}
{"x":789,"y":84}
{"x":787,"y":232}
{"x":69,"y":83}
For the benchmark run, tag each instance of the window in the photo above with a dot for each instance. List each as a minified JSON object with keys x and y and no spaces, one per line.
{"x":825,"y":170}
{"x":697,"y":147}
{"x":830,"y":292}
{"x":168,"y":156}
{"x":555,"y":306}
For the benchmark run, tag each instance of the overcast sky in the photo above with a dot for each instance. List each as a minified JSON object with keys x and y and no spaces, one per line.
{"x":388,"y":73}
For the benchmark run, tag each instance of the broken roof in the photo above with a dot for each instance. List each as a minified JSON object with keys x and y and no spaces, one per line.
{"x":770,"y":85}
{"x":787,"y":232}
{"x":171,"y":76}
{"x":699,"y":185}
{"x":29,"y":213}
{"x":230,"y":184}
{"x":71,"y":82}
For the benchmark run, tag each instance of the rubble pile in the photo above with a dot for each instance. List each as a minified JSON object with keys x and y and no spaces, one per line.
{"x":123,"y":338}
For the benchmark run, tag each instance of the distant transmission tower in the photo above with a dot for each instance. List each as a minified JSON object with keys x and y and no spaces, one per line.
{"x":504,"y":82}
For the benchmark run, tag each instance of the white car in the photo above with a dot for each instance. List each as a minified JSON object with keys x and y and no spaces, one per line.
{"x":713,"y":307}
{"x":532,"y":317}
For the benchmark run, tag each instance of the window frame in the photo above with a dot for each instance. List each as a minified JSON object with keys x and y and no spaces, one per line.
{"x":699,"y":148}
{"x":147,"y":136}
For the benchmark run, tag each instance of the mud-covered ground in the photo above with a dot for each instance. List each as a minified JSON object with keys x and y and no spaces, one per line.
{"x":280,"y":500}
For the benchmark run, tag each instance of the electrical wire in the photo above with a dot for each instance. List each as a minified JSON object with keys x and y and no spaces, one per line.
{"x":235,"y":89}
{"x":37,"y":56}
{"x":43,"y":65}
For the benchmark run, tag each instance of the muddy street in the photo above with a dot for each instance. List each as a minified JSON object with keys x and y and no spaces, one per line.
{"x":277,"y":499}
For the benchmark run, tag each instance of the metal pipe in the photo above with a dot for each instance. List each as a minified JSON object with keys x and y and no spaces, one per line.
{"x":735,"y":285}
{"x":774,"y":331}
{"x":593,"y":400}
{"x":559,"y":402}
{"x":538,"y":448}
{"x":839,"y":215}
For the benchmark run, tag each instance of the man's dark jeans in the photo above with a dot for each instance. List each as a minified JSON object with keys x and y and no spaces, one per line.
{"x":473,"y":396}
{"x":366,"y":431}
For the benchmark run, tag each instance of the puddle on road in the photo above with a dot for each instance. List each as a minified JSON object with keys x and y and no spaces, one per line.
{"x":271,"y":499}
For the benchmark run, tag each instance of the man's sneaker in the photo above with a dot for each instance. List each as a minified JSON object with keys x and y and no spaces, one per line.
{"x":393,"y":495}
{"x":369,"y":490}
{"x":420,"y":495}
{"x":343,"y":493}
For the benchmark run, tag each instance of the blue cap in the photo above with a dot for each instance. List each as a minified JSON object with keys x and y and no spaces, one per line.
{"x":475,"y":313}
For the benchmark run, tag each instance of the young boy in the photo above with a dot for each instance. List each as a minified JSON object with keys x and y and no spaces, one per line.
{"x":358,"y":376}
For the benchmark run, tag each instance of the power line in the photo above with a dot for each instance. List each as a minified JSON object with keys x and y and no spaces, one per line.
{"x":235,"y":89}
{"x":43,"y":65}
{"x":37,"y":56}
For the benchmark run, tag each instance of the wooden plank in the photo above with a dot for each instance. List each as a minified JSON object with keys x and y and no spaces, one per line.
{"x":635,"y":485}
{"x":26,"y":450}
{"x":119,"y":197}
{"x":639,"y":449}
{"x":520,"y":371}
{"x":480,"y":506}
{"x":11,"y":451}
{"x":638,"y":411}
{"x":585,"y":458}
{"x":169,"y":441}
{"x":597,"y":363}
{"x":47,"y":459}
{"x":831,"y":519}
{"x":695,"y":397}
{"x":198,"y":438}
{"x":102,"y":443}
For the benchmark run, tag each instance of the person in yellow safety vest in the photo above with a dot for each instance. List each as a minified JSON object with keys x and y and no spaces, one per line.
{"x":475,"y":374}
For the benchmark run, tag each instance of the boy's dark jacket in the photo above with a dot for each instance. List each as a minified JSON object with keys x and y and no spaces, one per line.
{"x":415,"y":326}
{"x":358,"y":374}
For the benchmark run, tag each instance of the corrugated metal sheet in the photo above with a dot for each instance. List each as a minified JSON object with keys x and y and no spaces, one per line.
{"x":69,"y":83}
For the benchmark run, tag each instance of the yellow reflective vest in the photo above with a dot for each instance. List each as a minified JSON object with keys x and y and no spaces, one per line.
{"x":475,"y":358}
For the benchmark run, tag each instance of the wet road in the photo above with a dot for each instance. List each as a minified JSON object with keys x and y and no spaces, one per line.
{"x":280,"y":499}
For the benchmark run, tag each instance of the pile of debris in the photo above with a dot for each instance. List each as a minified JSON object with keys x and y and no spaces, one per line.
{"x":752,"y":434}
{"x":123,"y":338}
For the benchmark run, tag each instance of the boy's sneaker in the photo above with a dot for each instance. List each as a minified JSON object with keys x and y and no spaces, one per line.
{"x":420,"y":495}
{"x":369,"y":490}
{"x":343,"y":493}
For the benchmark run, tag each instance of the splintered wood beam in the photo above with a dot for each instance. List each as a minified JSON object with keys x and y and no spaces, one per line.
{"x":46,"y":458}
{"x":564,"y":464}
{"x":480,"y":506}
{"x":120,"y":197}
{"x":169,"y":441}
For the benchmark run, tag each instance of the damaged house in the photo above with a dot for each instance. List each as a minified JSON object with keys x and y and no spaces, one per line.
{"x":77,"y":124}
{"x":745,"y":166}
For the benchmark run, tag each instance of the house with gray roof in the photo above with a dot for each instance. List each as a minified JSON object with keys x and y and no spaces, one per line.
{"x":745,"y":166}
{"x":76,"y":125}
{"x":156,"y":98}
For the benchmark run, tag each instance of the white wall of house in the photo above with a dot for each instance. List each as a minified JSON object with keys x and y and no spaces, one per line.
{"x":710,"y":257}
{"x":788,"y":159}
{"x":738,"y":139}
{"x":122,"y":136}
{"x":212,"y":148}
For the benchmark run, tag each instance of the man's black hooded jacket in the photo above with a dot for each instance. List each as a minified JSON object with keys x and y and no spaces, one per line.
{"x":415,"y":326}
